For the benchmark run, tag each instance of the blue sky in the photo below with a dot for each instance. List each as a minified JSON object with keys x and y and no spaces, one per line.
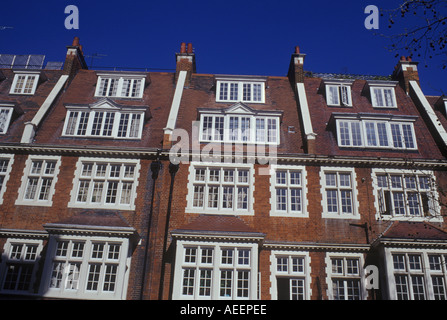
{"x":229,"y":37}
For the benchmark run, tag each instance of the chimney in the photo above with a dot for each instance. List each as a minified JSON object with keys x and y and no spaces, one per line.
{"x":185,"y":61}
{"x":404,"y":72}
{"x":296,"y":70}
{"x":74,"y":59}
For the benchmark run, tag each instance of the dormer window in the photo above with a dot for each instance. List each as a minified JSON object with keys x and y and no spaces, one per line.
{"x":382,"y":94}
{"x":250,"y":89}
{"x":239,"y":124}
{"x":375,"y":131}
{"x":5,"y":118}
{"x":105,"y":119}
{"x":24,"y":83}
{"x":338,"y":93}
{"x":120,"y":86}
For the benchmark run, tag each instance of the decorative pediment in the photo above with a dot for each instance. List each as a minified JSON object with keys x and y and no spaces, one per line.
{"x":241,"y":108}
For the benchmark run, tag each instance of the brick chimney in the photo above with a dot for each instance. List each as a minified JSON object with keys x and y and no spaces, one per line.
{"x":405,"y":71}
{"x":296,"y":69}
{"x":74,"y":59}
{"x":185,"y":61}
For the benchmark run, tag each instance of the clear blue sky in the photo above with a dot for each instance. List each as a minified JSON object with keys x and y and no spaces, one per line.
{"x":229,"y":37}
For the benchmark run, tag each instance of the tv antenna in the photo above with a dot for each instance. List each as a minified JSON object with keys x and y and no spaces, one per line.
{"x":95,"y":56}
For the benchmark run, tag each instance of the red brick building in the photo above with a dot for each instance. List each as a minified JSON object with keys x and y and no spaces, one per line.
{"x":158,"y":185}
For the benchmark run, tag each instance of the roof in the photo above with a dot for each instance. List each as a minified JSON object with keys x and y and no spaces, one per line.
{"x":224,"y":225}
{"x":414,"y":231}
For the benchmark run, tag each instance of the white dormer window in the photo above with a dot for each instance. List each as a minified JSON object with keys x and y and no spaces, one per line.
{"x":338,"y":93}
{"x":5,"y":118}
{"x":121,"y":86}
{"x":239,"y":124}
{"x":246,"y":90}
{"x":24,"y":83}
{"x":375,"y":131}
{"x":383,"y":94}
{"x":105,"y":119}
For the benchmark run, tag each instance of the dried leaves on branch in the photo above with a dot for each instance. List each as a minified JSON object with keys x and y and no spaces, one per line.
{"x":421,"y":29}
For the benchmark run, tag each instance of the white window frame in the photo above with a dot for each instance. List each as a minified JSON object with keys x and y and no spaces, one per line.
{"x":23,"y":260}
{"x":378,"y":90}
{"x":288,"y":186}
{"x":427,"y":270}
{"x":345,"y":275}
{"x":221,"y":185}
{"x":215,"y":264}
{"x":74,"y":279}
{"x":5,"y":171}
{"x":339,"y":190}
{"x":365,"y":138}
{"x":24,"y":89}
{"x":120,"y":79}
{"x":5,"y":117}
{"x":227,"y":86}
{"x":73,"y":127}
{"x":342,"y":97}
{"x":28,"y":173}
{"x":382,"y":201}
{"x":288,"y":271}
{"x":88,"y":189}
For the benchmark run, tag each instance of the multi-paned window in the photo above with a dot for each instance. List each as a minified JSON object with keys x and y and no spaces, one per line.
{"x":345,"y":277}
{"x":290,"y":275}
{"x":245,"y":91}
{"x":339,"y":193}
{"x":19,"y":265}
{"x":5,"y":118}
{"x":86,"y":267}
{"x":338,"y":95}
{"x":383,"y":97}
{"x":113,"y":124}
{"x":239,"y":124}
{"x":215,"y":271}
{"x":288,"y":191}
{"x":418,"y":275}
{"x":405,"y":194}
{"x":120,"y":86}
{"x":6,"y":161}
{"x":368,"y":132}
{"x":24,"y":83}
{"x":38,"y":180}
{"x":105,"y":183}
{"x":223,"y":189}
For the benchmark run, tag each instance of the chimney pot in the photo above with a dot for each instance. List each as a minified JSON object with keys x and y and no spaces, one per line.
{"x":183,"y":48}
{"x":75,"y":42}
{"x":297,"y":49}
{"x":189,"y":47}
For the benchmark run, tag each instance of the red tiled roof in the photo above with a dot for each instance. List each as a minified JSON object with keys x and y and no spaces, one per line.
{"x":414,"y":230}
{"x":209,"y":223}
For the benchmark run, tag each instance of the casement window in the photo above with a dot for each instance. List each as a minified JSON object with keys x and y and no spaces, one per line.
{"x":24,"y":83}
{"x":418,"y":275}
{"x":85,"y":267}
{"x":288,"y":191}
{"x":364,"y":131}
{"x":19,"y":265}
{"x":239,"y":90}
{"x":6,"y":161}
{"x":338,"y":95}
{"x":216,"y":271}
{"x":120,"y":86}
{"x":402,"y":194}
{"x":105,"y":184}
{"x":124,"y":124}
{"x":5,"y":118}
{"x":339,"y":193}
{"x":290,"y":275}
{"x":345,"y":277}
{"x":220,"y":189}
{"x":239,"y":124}
{"x":383,"y":94}
{"x":39,"y":180}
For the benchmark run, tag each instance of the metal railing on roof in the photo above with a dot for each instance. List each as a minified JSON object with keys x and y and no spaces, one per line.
{"x":328,"y":76}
